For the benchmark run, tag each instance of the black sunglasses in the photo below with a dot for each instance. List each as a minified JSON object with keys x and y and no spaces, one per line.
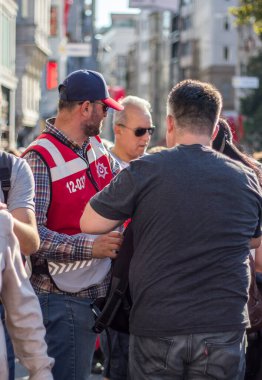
{"x":138,"y":132}
{"x":105,"y":107}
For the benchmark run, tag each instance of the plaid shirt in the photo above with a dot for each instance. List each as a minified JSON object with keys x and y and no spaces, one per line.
{"x":55,"y":246}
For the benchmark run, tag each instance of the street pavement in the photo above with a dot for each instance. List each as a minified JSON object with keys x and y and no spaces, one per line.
{"x":21,"y":373}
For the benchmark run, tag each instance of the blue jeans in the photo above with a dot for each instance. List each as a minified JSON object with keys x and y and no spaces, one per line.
{"x":9,"y":347}
{"x":218,"y":356}
{"x":69,"y":336}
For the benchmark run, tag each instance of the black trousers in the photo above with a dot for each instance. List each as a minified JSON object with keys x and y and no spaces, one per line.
{"x":254,"y":356}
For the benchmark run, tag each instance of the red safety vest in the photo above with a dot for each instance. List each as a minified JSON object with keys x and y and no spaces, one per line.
{"x":73,"y":182}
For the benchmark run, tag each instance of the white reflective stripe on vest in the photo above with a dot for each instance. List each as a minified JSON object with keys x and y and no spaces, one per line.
{"x":58,"y":268}
{"x":96,"y":148}
{"x":50,"y":147}
{"x":63,"y":168}
{"x":70,"y":167}
{"x":79,"y":275}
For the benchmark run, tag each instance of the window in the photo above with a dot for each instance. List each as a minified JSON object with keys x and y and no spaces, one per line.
{"x":243,"y":69}
{"x":186,"y":23}
{"x":7,"y":45}
{"x":5,"y":115}
{"x":121,"y":61}
{"x":88,"y":8}
{"x":53,"y":21}
{"x":226,"y":53}
{"x":144,"y":45}
{"x":226,"y":23}
{"x":226,"y":90}
{"x":175,"y":47}
{"x":24,"y":8}
{"x":186,"y":48}
{"x":175,"y":23}
{"x":4,"y":107}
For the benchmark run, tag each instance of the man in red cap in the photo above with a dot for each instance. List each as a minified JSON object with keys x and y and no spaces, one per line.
{"x":70,"y":164}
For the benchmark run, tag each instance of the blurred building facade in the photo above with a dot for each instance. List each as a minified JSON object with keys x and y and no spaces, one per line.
{"x":249,"y":44}
{"x":113,"y":57}
{"x":80,"y":33}
{"x":24,"y":30}
{"x":32,"y":50}
{"x":196,"y":40}
{"x":114,"y":47}
{"x":54,"y":69}
{"x":149,"y":64}
{"x":72,"y":47}
{"x":134,"y":54}
{"x":142,"y":54}
{"x":204,"y":45}
{"x":8,"y":79}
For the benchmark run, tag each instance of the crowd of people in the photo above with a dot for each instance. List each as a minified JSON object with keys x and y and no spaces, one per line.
{"x":195,"y":206}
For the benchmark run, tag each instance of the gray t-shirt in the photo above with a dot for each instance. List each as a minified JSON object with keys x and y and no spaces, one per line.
{"x":194,"y":212}
{"x":21,"y":193}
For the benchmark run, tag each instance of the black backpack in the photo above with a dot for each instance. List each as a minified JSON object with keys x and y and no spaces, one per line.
{"x":5,"y":173}
{"x":114,"y":310}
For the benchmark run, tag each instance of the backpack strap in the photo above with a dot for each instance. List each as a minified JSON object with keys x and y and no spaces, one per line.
{"x":118,"y":302}
{"x":5,"y":173}
{"x":115,"y":312}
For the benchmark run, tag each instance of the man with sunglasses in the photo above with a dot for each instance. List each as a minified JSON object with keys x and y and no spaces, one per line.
{"x":133,"y":129}
{"x":70,"y":164}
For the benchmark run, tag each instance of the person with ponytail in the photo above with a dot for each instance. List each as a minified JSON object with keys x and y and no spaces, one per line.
{"x":223,"y":143}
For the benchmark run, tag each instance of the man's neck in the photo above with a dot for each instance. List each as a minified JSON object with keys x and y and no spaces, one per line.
{"x":190,"y":139}
{"x":120,"y":154}
{"x":66,"y":126}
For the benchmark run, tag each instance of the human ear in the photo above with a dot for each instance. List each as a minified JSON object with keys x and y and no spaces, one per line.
{"x":85,"y":106}
{"x":117,"y":129}
{"x":215,"y":132}
{"x":169,"y":123}
{"x":170,"y":131}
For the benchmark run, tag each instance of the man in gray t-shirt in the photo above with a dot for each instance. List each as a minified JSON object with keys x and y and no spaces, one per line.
{"x":20,"y":203}
{"x":195,"y":215}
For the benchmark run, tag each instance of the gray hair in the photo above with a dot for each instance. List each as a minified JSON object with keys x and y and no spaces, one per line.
{"x":133,"y":101}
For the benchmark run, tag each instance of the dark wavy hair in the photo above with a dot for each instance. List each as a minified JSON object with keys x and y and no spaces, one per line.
{"x":195,"y":105}
{"x":223,"y":143}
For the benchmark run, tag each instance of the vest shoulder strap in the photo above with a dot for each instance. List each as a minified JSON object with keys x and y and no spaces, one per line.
{"x":5,"y":173}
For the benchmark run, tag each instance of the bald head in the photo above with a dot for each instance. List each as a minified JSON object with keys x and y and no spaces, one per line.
{"x":133,"y":103}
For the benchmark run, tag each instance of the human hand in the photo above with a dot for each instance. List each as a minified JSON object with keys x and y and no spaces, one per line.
{"x":3,"y":206}
{"x":107,"y":245}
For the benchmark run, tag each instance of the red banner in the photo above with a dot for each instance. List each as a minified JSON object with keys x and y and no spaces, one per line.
{"x":67,"y":5}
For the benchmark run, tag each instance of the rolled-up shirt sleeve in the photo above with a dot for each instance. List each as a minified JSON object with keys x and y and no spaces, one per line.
{"x":55,"y":246}
{"x":117,"y":200}
{"x":23,"y":314}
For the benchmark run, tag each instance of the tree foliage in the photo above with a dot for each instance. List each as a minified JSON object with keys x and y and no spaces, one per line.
{"x":249,"y":11}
